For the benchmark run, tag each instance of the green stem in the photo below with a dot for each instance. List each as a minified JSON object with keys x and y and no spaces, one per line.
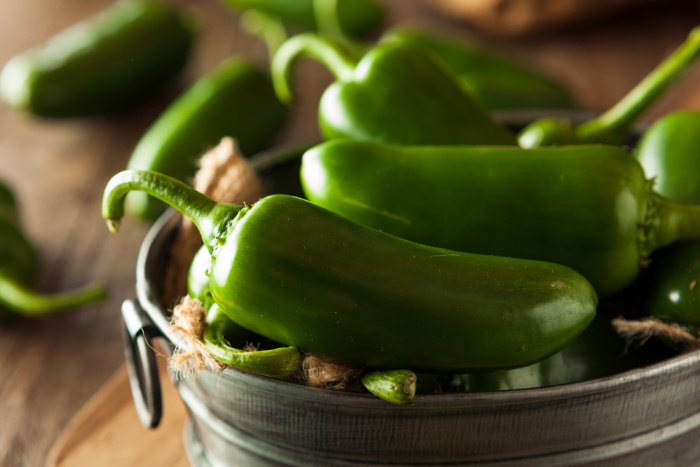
{"x":670,"y":221}
{"x":327,"y":15}
{"x":281,"y":361}
{"x":267,"y":27}
{"x":25,"y":301}
{"x":614,"y":125}
{"x":395,"y":386}
{"x":209,"y":217}
{"x":330,"y":53}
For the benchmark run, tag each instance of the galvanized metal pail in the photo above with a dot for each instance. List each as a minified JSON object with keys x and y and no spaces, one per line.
{"x":647,"y":416}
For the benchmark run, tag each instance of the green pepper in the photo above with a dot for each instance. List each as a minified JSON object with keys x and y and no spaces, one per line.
{"x":397,"y":92}
{"x":588,"y":207}
{"x":670,"y":287}
{"x":613,"y":126}
{"x":356,"y":17}
{"x":19,"y":264}
{"x":669,"y":151}
{"x":102,"y":64}
{"x":596,"y":353}
{"x":235,"y":99}
{"x":306,"y":277}
{"x":494,"y":80}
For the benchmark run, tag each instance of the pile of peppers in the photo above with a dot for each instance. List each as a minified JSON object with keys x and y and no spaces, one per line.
{"x":437,"y":248}
{"x":433,"y":247}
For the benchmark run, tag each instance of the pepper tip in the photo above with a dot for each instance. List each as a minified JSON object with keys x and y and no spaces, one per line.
{"x":113,"y":225}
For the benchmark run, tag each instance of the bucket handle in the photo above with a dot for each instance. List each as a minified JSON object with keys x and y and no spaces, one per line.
{"x":138,"y":331}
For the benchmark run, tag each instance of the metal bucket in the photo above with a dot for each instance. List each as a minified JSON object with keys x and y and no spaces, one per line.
{"x":647,"y":416}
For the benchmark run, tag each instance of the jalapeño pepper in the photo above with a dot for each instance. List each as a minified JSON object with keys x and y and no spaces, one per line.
{"x":494,"y":80}
{"x":355,"y":17}
{"x":397,"y":93}
{"x":669,"y":151}
{"x":235,"y":99}
{"x":588,"y":207}
{"x":613,"y":126}
{"x":102,"y":64}
{"x":303,"y":276}
{"x":670,"y":287}
{"x":19,"y":264}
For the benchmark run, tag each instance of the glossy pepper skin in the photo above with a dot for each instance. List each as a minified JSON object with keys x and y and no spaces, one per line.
{"x":494,"y":80}
{"x":304,"y":276}
{"x":225,"y":339}
{"x":669,"y":151}
{"x":670,"y":287}
{"x":356,"y":17}
{"x":588,"y":207}
{"x":614,"y":125}
{"x":235,"y":99}
{"x":596,"y":353}
{"x":19,"y":264}
{"x":397,"y":93}
{"x":102,"y":64}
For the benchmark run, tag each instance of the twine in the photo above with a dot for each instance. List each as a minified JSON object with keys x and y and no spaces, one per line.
{"x":189,"y":319}
{"x":644,"y":329}
{"x":319,"y":373}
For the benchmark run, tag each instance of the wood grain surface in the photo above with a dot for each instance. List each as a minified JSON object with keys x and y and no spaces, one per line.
{"x":50,"y":367}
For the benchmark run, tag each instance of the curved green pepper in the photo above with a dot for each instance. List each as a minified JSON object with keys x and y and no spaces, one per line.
{"x":669,"y":151}
{"x":613,"y":126}
{"x":356,"y":17}
{"x":494,"y":80}
{"x":102,"y":64}
{"x":588,"y":207}
{"x":19,"y":263}
{"x":235,"y":99}
{"x":670,"y":287}
{"x":301,"y":275}
{"x":398,"y":93}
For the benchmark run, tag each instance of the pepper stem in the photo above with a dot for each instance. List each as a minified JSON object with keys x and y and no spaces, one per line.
{"x":209,"y":216}
{"x":280,"y":361}
{"x":613,"y":126}
{"x":671,"y":221}
{"x":327,"y":15}
{"x":25,"y":301}
{"x":267,"y":27}
{"x":395,"y":386}
{"x":330,"y":53}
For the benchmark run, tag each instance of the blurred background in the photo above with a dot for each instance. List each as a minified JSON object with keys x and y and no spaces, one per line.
{"x":58,"y":168}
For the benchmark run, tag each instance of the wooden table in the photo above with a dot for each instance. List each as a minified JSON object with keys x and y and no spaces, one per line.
{"x":58,"y":169}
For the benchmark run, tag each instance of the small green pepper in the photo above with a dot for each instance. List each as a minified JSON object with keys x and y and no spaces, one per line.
{"x":613,"y":126}
{"x":669,"y":151}
{"x":494,"y":80}
{"x":19,"y":263}
{"x":102,"y":64}
{"x":303,"y":276}
{"x":235,"y":99}
{"x":356,"y":17}
{"x":588,"y":207}
{"x":597,"y":352}
{"x":397,"y":93}
{"x":670,"y":286}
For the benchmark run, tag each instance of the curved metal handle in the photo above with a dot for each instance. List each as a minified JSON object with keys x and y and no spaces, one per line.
{"x":144,"y":379}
